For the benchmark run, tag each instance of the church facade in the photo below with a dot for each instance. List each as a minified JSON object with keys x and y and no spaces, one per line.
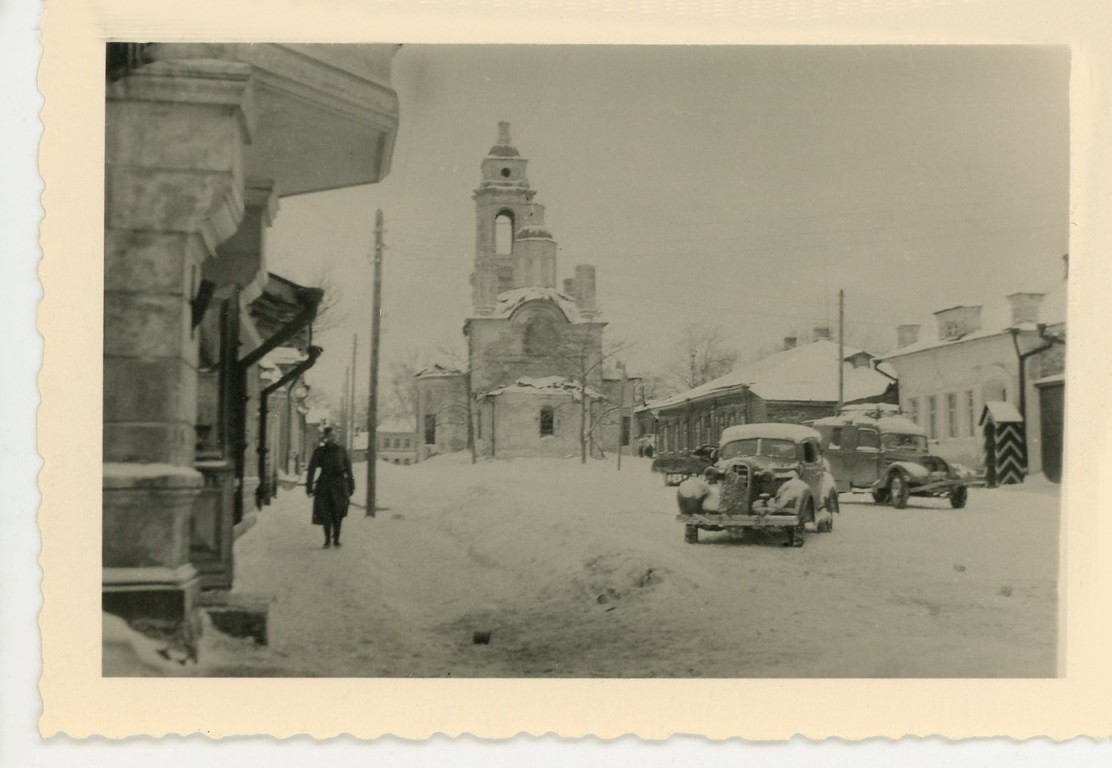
{"x":537,"y":377}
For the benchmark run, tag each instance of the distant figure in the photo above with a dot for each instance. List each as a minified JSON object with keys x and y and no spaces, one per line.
{"x":333,"y":489}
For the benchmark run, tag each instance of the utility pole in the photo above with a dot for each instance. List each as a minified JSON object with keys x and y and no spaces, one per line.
{"x":622,"y":417}
{"x":372,"y":405}
{"x":345,"y":411}
{"x":841,"y":349}
{"x":351,"y":395}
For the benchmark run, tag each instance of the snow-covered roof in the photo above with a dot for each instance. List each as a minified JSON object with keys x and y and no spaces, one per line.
{"x":1001,"y":412}
{"x":545,"y":385}
{"x":509,"y":301}
{"x":883,"y":419}
{"x":438,"y":370}
{"x":794,"y":432}
{"x":996,"y":321}
{"x":805,"y":373}
{"x":396,"y":425}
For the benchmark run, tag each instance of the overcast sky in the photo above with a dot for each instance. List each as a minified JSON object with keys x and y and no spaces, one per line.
{"x":729,"y":185}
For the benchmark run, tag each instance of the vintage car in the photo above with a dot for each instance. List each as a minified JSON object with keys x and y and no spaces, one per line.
{"x":677,"y":466}
{"x":767,"y":476}
{"x":884,"y":452}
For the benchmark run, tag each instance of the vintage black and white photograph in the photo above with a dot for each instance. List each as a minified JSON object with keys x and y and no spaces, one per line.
{"x":584,"y":361}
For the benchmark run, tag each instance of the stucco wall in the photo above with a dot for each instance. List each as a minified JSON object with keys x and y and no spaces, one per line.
{"x":516,"y":422}
{"x":446,"y":398}
{"x":987,"y":367}
{"x":498,"y":351}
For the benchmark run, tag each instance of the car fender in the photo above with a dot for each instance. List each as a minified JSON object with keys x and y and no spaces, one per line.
{"x":914,"y":472}
{"x":801,"y":506}
{"x":827,"y":486}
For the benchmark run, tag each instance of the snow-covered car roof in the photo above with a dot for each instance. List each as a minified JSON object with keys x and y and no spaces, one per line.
{"x":885,"y":422}
{"x":794,"y":432}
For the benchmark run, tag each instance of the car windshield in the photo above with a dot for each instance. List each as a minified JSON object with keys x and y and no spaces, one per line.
{"x":897,"y":441}
{"x":764,"y":446}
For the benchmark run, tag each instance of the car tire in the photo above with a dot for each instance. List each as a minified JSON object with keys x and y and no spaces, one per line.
{"x":959,"y":496}
{"x":880,"y":495}
{"x":796,"y":534}
{"x":898,"y":491}
{"x":691,"y":534}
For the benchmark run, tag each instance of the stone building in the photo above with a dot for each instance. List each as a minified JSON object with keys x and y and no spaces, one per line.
{"x":535,"y":377}
{"x":950,"y":375}
{"x":795,"y":385}
{"x":396,"y":441}
{"x":202,"y":142}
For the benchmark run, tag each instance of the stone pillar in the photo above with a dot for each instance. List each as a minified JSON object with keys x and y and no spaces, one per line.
{"x":174,"y":191}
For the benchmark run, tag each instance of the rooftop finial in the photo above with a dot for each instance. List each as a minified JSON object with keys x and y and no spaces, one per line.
{"x":503,"y":132}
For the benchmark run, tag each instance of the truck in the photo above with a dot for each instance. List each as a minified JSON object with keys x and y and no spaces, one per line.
{"x":879,"y":450}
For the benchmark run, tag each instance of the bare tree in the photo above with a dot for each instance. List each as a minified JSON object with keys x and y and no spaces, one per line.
{"x":580,"y":357}
{"x":700,"y":353}
{"x":401,"y":385}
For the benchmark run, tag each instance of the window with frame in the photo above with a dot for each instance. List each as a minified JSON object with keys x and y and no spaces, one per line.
{"x":913,"y":409}
{"x":932,"y":417}
{"x":868,"y":439}
{"x":430,"y":429}
{"x":626,"y":428}
{"x":952,"y":414}
{"x":810,"y":452}
{"x":548,"y":421}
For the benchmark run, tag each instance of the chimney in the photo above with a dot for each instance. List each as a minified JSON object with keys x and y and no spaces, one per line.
{"x":503,"y":132}
{"x":1025,"y":307}
{"x":906,"y":335}
{"x":585,"y":291}
{"x":822,"y":333}
{"x":789,"y":342}
{"x":956,"y":322}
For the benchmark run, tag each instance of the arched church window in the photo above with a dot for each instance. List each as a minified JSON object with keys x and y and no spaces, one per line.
{"x":540,"y":336}
{"x":503,"y":233}
{"x":548,"y":421}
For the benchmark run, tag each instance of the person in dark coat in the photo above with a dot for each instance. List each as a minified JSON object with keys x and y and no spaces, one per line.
{"x":332,"y":489}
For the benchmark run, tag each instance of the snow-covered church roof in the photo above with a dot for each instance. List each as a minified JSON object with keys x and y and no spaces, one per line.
{"x":545,"y":385}
{"x":509,"y":301}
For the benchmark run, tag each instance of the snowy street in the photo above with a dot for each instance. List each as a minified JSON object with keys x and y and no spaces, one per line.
{"x":582,"y":571}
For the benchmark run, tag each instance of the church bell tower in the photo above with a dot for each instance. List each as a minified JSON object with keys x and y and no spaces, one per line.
{"x":512,"y":248}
